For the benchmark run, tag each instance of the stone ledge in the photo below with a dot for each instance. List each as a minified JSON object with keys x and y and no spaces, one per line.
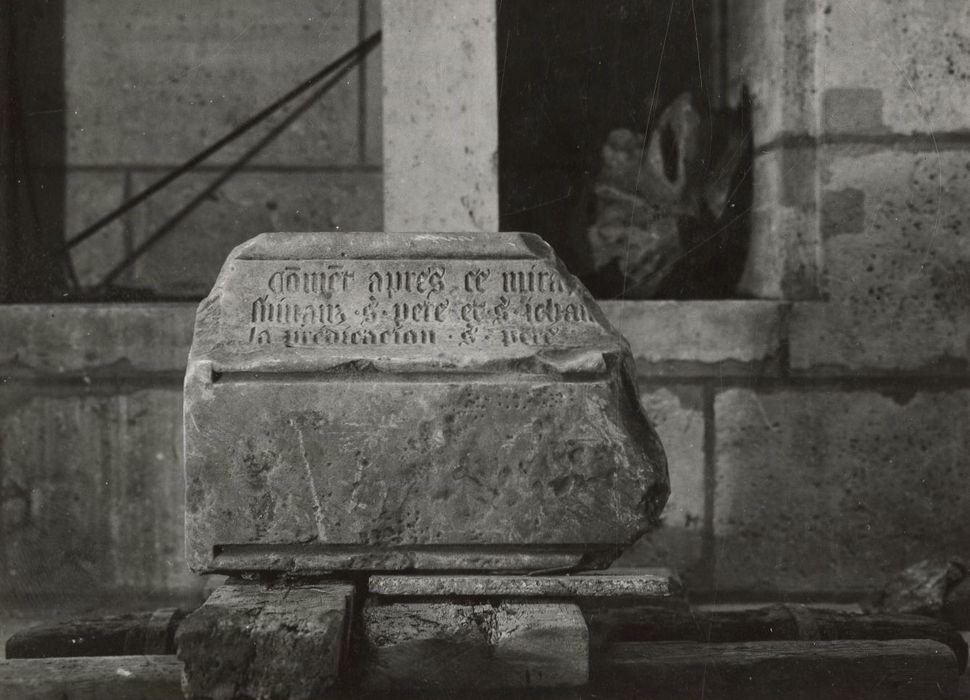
{"x":669,"y":337}
{"x":73,"y":338}
{"x":838,"y":339}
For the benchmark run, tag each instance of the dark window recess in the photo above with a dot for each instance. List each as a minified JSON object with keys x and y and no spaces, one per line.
{"x":614,"y":145}
{"x":32,"y":148}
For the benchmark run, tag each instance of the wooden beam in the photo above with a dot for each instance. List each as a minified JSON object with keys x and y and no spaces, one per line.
{"x":146,"y":633}
{"x":650,"y":622}
{"x":251,"y":640}
{"x":84,"y":678}
{"x":905,"y":669}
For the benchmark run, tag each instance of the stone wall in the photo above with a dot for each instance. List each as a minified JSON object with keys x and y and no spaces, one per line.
{"x":818,"y":438}
{"x":146,"y":90}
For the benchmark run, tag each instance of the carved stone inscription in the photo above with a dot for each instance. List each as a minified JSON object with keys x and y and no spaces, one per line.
{"x":414,"y":302}
{"x":410,"y":401}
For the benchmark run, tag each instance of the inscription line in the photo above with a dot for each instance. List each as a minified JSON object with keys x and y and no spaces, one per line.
{"x":397,"y":258}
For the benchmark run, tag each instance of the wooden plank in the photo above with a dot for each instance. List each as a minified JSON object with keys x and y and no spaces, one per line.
{"x":653,"y":623}
{"x":92,"y":678}
{"x":148,"y":633}
{"x":903,"y":669}
{"x":656,"y":583}
{"x":435,"y":647}
{"x":257,"y":641}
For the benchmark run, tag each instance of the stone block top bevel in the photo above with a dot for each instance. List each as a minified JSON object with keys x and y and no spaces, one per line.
{"x":402,"y":302}
{"x":656,"y":583}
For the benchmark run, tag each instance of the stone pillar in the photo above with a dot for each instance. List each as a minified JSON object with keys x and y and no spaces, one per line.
{"x":440,"y":116}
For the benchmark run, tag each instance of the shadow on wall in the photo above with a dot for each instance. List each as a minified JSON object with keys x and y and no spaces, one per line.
{"x":33,"y":150}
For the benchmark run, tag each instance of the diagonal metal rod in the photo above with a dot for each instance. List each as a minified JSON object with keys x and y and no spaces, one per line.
{"x":357,"y":52}
{"x":202,"y":196}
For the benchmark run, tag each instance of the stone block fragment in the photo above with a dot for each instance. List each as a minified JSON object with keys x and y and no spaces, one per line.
{"x":253,"y":641}
{"x":443,"y":646}
{"x":424,"y":401}
{"x":644,"y":583}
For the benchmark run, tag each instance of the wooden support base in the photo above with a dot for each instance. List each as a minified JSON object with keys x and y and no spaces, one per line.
{"x":849,"y":670}
{"x":145,"y":633}
{"x":588,"y":635}
{"x":250,"y":640}
{"x":447,"y":646}
{"x":904,"y":669}
{"x":92,"y":677}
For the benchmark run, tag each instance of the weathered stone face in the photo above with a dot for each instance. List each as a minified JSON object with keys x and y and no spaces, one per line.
{"x":428,"y":401}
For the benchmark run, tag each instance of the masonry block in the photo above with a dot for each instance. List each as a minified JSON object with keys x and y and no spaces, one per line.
{"x":695,"y":337}
{"x":819,"y":67}
{"x":91,"y":493}
{"x":901,"y":69}
{"x":89,"y":196}
{"x":677,"y":414}
{"x":897,"y":264}
{"x":185,"y":263}
{"x":93,"y":339}
{"x":837,"y":490}
{"x":157,"y":85}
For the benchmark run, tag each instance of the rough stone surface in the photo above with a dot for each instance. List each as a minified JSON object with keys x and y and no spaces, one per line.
{"x":248,"y":640}
{"x":440,"y":115}
{"x":861,"y":485}
{"x":494,"y":424}
{"x":899,"y":284}
{"x":658,"y":583}
{"x":819,"y":67}
{"x":442,"y":646}
{"x":902,"y":69}
{"x":923,"y":588}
